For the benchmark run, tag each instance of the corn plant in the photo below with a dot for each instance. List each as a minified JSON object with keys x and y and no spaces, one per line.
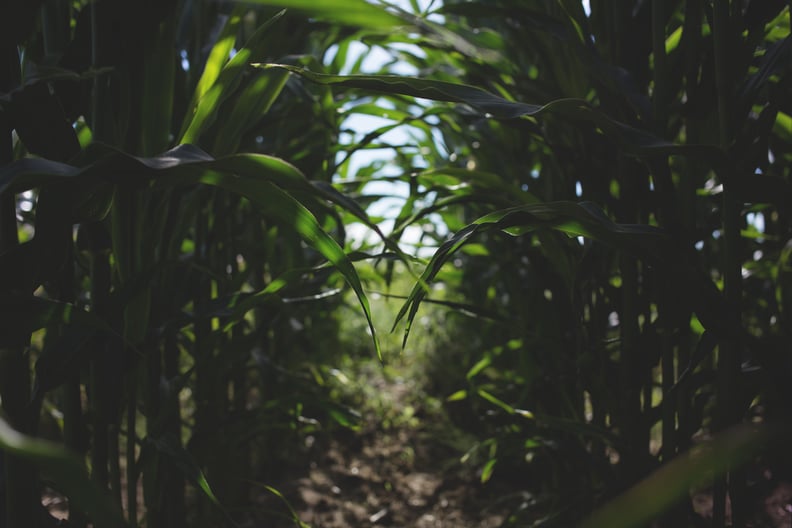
{"x":613,"y":176}
{"x":616,"y":185}
{"x":163,"y":282}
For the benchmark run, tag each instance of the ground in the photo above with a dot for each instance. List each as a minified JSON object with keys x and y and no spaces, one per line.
{"x":386,"y":481}
{"x":403,"y":468}
{"x":396,"y":471}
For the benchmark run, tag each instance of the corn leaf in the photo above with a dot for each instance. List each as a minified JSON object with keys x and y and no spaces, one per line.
{"x":633,"y":140}
{"x":67,"y":471}
{"x":659,"y":491}
{"x":350,"y":12}
{"x":264,"y":180}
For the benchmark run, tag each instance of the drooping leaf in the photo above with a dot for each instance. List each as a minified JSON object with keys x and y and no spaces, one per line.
{"x":583,"y":219}
{"x":633,"y":140}
{"x":182,"y":459}
{"x":285,"y":501}
{"x":477,"y":98}
{"x":281,"y":205}
{"x":264,"y":180}
{"x":467,"y":309}
{"x":351,"y":12}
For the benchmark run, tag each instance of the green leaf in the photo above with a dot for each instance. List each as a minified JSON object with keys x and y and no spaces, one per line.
{"x":487,"y":470}
{"x":443,"y":253}
{"x":478,"y":367}
{"x":206,"y":103}
{"x":345,"y":417}
{"x":275,"y":202}
{"x":185,"y":462}
{"x":658,"y":492}
{"x":250,"y":105}
{"x":349,"y":12}
{"x":295,"y":517}
{"x":67,"y":471}
{"x":457,"y":396}
{"x":158,"y":90}
{"x":217,"y":58}
{"x":495,"y":401}
{"x":777,"y":57}
{"x":584,"y":219}
{"x":266,"y":181}
{"x":479,"y":99}
{"x":38,"y":119}
{"x":467,"y":309}
{"x":476,"y":250}
{"x":632,"y":140}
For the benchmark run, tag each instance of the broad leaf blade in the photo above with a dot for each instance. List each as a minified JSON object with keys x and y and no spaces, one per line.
{"x":633,"y":140}
{"x":224,"y":85}
{"x":262,"y":179}
{"x":349,"y":12}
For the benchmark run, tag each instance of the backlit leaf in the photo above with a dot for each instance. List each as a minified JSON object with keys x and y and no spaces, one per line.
{"x":350,"y":12}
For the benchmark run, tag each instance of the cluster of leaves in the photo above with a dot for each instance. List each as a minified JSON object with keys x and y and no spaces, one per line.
{"x":617,"y":186}
{"x":615,"y":183}
{"x":167,"y":290}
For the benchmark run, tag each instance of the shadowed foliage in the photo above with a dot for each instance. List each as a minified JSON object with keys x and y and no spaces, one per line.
{"x":593,"y":198}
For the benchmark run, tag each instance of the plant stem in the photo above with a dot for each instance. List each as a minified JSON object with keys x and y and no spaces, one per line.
{"x":21,"y":480}
{"x":131,"y":464}
{"x":729,"y":360}
{"x":668,"y":356}
{"x":206,"y":375}
{"x":174,"y":479}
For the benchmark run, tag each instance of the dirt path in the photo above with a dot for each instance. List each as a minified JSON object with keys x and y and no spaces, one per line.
{"x":403,"y":469}
{"x":384,"y":475}
{"x":385,"y":480}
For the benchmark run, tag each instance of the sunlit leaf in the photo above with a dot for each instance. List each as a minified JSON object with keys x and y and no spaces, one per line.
{"x":495,"y":400}
{"x":222,"y":85}
{"x":350,"y":12}
{"x":457,"y":396}
{"x":478,"y":367}
{"x":488,"y":469}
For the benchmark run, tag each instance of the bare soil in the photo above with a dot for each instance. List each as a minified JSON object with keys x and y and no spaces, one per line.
{"x":384,"y":480}
{"x":385,"y":475}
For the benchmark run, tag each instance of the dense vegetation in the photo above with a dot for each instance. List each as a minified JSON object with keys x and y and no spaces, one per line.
{"x":593,"y":223}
